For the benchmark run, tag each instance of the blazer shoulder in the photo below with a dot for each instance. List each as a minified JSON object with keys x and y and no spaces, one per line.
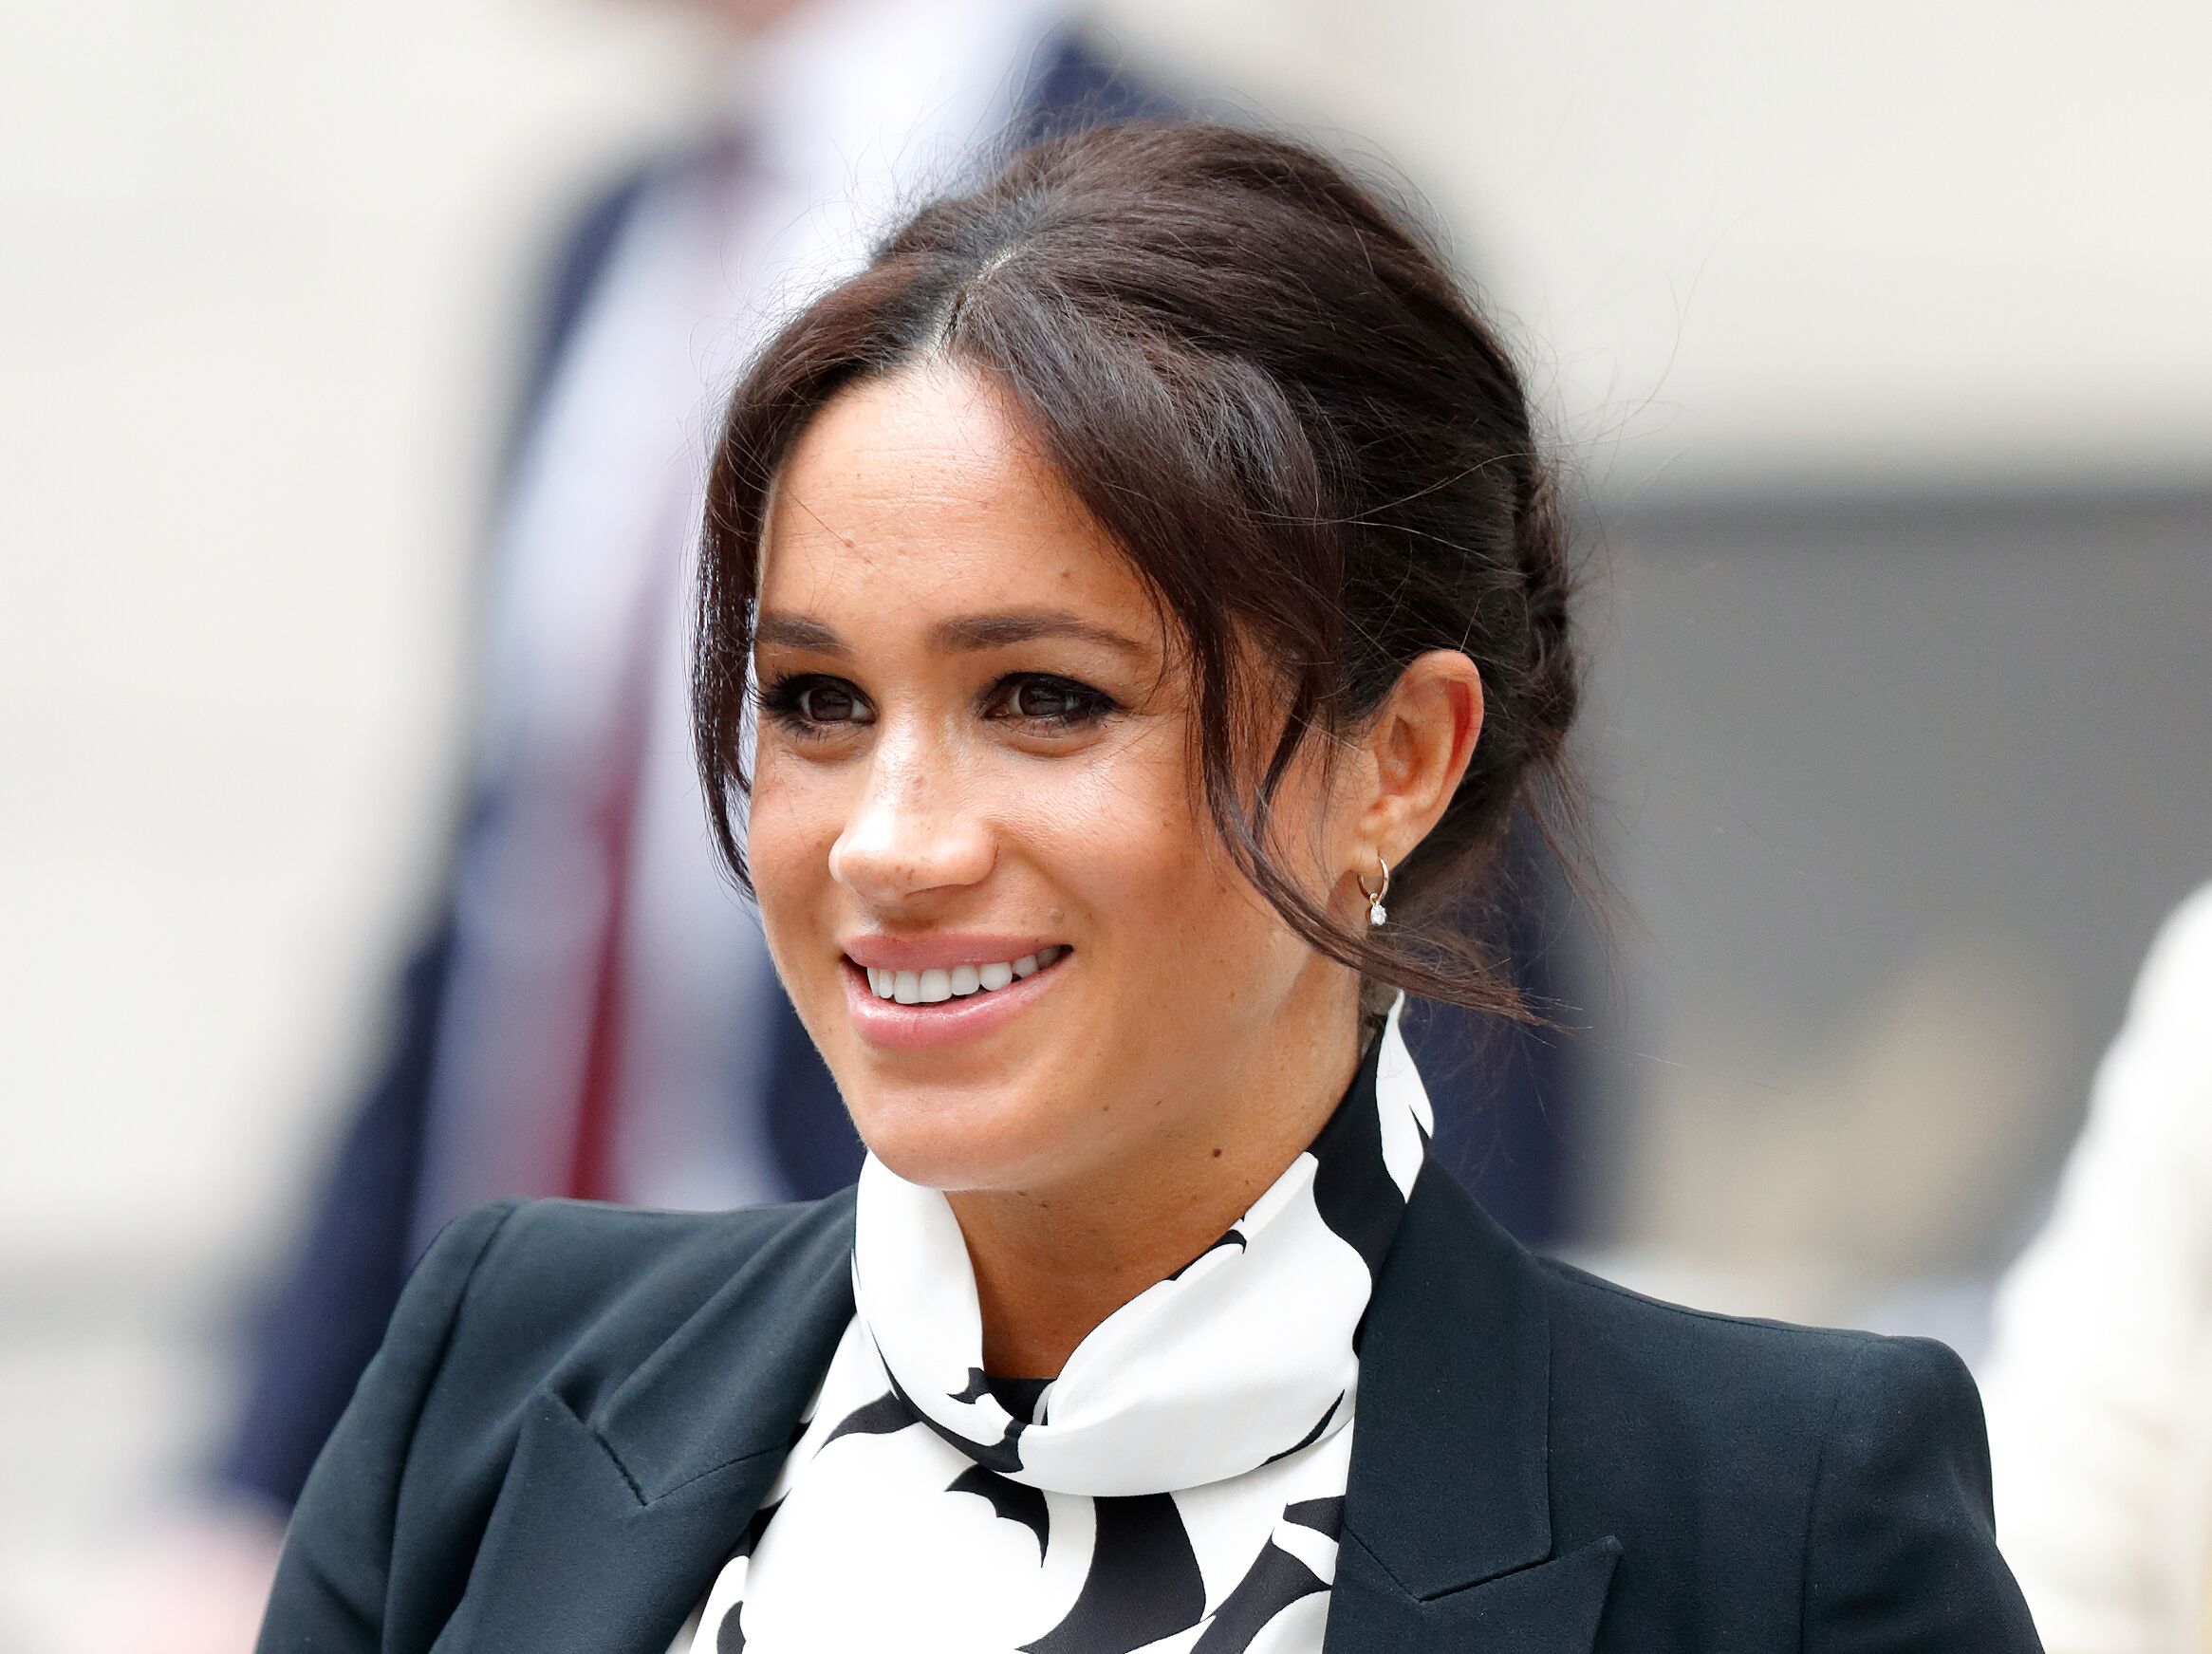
{"x":1818,"y":1359}
{"x":563,"y":1285}
{"x":1836,"y":1479}
{"x":603,"y":1241}
{"x":1745,"y":1404}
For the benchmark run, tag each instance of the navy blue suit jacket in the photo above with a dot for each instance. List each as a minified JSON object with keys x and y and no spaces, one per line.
{"x":579,"y":1408}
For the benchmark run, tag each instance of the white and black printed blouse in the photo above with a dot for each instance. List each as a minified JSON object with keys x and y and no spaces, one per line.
{"x":1178,"y":1488}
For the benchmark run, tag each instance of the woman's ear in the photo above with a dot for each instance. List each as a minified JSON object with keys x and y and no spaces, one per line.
{"x":1419,"y":745}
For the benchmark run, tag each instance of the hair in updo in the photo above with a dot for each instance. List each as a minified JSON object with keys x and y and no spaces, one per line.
{"x":1264,"y":384}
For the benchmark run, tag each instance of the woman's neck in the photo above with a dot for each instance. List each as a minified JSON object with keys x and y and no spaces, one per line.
{"x":1051,"y":1265}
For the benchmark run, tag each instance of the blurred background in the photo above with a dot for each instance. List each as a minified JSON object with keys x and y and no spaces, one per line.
{"x":1877,"y":336}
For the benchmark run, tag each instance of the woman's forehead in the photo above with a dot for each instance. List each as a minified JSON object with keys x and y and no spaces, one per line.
{"x":918,"y":494}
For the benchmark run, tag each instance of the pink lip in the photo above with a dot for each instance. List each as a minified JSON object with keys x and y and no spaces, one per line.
{"x":941,"y":949}
{"x":914,"y":1028}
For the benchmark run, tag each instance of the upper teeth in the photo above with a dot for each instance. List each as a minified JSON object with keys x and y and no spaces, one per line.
{"x":955,"y":981}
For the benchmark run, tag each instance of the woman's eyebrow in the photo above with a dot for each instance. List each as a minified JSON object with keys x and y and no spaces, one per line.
{"x":1007,"y":626}
{"x":798,"y":632}
{"x":963,"y":633}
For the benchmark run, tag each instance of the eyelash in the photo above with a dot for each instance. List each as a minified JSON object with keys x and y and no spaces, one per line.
{"x":784,"y":700}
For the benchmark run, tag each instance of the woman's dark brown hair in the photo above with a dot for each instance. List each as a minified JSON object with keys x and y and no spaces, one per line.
{"x":1267,"y":388}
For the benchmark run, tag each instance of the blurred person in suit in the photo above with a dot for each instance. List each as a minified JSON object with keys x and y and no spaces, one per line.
{"x":592,"y":1012}
{"x":2099,"y":1386}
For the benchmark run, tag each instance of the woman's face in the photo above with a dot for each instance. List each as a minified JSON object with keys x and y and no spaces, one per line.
{"x":982,"y":857}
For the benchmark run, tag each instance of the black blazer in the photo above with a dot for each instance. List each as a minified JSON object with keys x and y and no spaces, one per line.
{"x":577,"y":1410}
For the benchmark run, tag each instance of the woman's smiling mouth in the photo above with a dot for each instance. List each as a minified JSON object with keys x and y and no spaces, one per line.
{"x":939,"y":983}
{"x":921,"y":993}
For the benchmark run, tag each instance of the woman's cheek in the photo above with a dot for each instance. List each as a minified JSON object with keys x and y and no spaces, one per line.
{"x":790,"y":829}
{"x":1114,"y":840}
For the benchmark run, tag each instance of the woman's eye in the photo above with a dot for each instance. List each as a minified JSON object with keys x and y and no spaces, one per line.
{"x":1059,"y":702}
{"x":829,"y":703}
{"x":815,"y":705}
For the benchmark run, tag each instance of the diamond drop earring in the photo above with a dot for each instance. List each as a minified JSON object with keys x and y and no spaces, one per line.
{"x":1377,"y":913}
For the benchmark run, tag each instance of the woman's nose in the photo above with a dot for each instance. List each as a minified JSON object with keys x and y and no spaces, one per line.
{"x":913,"y":831}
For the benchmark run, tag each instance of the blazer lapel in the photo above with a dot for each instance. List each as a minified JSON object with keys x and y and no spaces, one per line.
{"x":1447,"y":1534}
{"x":609,"y":1527}
{"x":1551,"y":1608}
{"x":578,"y":1559}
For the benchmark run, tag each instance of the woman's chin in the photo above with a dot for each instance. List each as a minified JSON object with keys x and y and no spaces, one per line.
{"x":955,"y":1137}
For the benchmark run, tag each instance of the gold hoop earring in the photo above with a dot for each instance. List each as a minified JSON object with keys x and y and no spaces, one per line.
{"x":1377,"y":913}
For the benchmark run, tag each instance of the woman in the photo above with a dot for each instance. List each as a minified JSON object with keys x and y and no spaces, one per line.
{"x":1140,"y":596}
